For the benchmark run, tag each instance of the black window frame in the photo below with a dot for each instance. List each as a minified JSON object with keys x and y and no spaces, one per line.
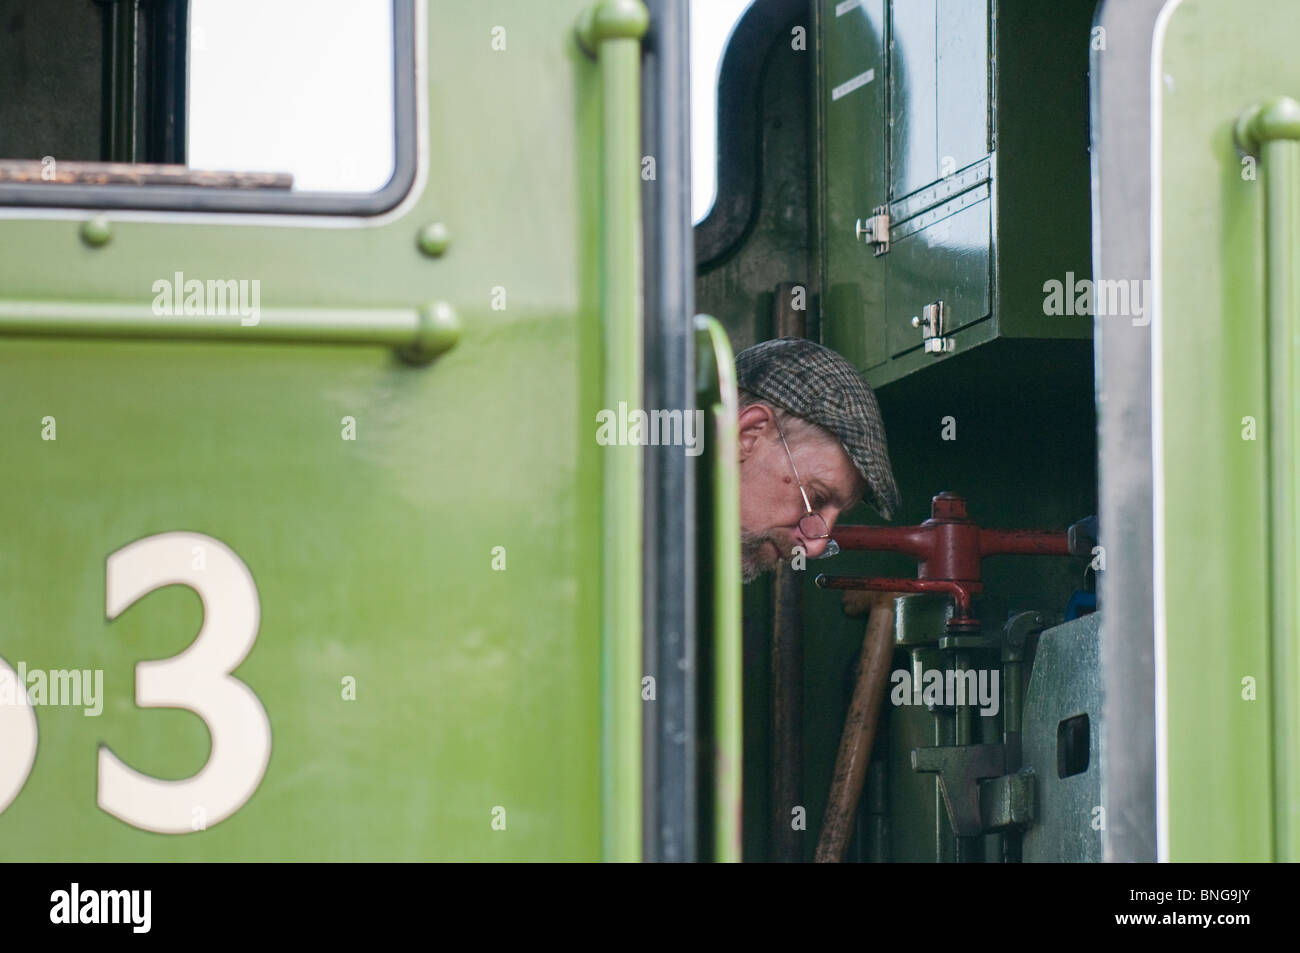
{"x":261,"y":201}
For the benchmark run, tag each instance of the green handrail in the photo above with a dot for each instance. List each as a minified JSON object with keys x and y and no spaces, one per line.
{"x":418,"y":334}
{"x":611,"y":31}
{"x":1271,"y":131}
{"x":715,"y":354}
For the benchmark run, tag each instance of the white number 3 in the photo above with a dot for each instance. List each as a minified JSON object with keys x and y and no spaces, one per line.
{"x":197,"y":680}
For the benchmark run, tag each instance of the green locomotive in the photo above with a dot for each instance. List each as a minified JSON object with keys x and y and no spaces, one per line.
{"x":297,"y":298}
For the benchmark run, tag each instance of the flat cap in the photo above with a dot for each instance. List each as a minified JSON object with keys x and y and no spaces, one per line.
{"x":815,"y":383}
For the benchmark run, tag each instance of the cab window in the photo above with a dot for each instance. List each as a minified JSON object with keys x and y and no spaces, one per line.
{"x":257,"y":105}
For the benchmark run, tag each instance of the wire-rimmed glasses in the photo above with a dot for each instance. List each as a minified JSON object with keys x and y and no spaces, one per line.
{"x":811,"y":525}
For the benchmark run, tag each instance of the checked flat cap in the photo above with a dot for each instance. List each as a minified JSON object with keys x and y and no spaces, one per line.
{"x":815,"y":383}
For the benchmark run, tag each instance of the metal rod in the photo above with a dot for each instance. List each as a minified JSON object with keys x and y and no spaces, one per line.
{"x":671,"y":730}
{"x":786,"y":744}
{"x":728,"y":655}
{"x":967,"y":847}
{"x":787,"y":713}
{"x":612,"y":32}
{"x":1272,"y":130}
{"x":418,"y":333}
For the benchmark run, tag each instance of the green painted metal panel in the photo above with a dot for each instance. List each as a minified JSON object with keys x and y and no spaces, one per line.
{"x":853,"y":176}
{"x":476,"y":687}
{"x":1041,"y":222}
{"x":913,"y":96}
{"x":939,"y":68}
{"x":1214,"y":422}
{"x":962,"y":83}
{"x":947,"y":261}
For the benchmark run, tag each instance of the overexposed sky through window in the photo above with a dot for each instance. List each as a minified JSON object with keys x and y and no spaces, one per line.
{"x":301,"y":86}
{"x":711,"y":24}
{"x":305,"y":86}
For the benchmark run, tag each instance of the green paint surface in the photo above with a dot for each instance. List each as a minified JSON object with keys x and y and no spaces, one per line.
{"x":1215,"y":482}
{"x":373,"y":558}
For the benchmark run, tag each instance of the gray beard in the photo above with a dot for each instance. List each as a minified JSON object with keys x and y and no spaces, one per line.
{"x":753,"y":562}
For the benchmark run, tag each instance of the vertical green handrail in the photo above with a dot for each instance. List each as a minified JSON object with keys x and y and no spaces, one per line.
{"x":715,"y":353}
{"x":1271,"y":131}
{"x":611,"y":31}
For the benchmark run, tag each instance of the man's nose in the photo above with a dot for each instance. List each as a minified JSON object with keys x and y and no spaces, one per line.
{"x":815,"y":547}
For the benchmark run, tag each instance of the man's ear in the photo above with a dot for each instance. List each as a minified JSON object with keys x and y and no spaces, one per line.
{"x":756,"y":420}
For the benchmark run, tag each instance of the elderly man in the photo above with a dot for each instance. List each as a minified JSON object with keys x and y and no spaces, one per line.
{"x":812,"y":444}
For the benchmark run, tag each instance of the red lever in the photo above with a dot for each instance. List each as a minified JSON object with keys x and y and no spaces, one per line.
{"x":949,"y":548}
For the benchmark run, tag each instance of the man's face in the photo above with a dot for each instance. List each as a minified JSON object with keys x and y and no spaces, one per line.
{"x":770,"y":503}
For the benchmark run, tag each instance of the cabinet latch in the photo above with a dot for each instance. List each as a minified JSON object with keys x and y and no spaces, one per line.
{"x":875,"y":230}
{"x":933,"y":322}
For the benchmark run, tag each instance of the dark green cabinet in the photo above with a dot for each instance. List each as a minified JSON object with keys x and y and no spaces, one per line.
{"x":976,"y":223}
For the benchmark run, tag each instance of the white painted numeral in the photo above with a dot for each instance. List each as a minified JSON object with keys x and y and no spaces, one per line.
{"x":17,"y":737}
{"x":197,"y":680}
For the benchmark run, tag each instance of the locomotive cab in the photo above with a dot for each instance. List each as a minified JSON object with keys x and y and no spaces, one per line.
{"x":989,"y":208}
{"x":901,"y":188}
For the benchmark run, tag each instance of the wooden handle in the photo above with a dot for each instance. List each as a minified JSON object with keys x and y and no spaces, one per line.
{"x":859,"y":730}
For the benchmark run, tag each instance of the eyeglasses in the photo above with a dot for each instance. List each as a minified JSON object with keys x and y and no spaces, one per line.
{"x":811,"y":525}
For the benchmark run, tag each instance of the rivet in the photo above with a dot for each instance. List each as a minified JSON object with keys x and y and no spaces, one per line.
{"x":97,"y":231}
{"x":434,"y":239}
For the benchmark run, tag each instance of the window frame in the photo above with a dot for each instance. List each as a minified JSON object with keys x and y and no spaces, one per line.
{"x":204,"y":199}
